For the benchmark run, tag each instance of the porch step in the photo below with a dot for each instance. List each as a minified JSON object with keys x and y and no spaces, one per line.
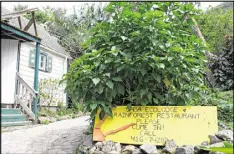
{"x":13,"y":117}
{"x":18,"y":123}
{"x":10,"y":111}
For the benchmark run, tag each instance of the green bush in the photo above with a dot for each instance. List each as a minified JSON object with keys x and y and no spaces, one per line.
{"x":47,"y":113}
{"x":46,"y":122}
{"x":146,"y":55}
{"x":215,"y":24}
{"x":222,"y":67}
{"x":223,"y":101}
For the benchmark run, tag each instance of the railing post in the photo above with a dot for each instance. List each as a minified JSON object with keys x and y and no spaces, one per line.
{"x":36,"y":72}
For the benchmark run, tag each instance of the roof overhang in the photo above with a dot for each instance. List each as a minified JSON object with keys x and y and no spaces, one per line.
{"x":10,"y":32}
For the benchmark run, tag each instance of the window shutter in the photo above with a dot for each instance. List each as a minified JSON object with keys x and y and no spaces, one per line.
{"x":32,"y":58}
{"x":49,"y":64}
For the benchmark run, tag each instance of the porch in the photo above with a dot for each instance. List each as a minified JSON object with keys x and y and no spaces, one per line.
{"x":18,"y":95}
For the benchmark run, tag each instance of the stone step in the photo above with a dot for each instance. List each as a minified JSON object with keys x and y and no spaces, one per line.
{"x":10,"y":111}
{"x":18,"y":123}
{"x":13,"y":117}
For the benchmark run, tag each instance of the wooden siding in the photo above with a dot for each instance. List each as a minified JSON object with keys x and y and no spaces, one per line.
{"x":9,"y":50}
{"x":59,"y":67}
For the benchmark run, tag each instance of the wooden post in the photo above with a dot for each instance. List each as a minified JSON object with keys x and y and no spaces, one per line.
{"x":34,"y":23}
{"x":36,"y":72}
{"x":19,"y":20}
{"x":17,"y":70}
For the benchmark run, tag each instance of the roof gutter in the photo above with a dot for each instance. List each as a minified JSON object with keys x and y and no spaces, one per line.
{"x":55,"y":52}
{"x":52,"y":51}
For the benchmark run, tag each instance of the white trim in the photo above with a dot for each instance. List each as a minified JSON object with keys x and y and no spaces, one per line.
{"x":55,"y":52}
{"x":44,"y":62}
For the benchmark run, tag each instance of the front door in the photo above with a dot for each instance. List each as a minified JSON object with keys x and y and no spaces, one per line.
{"x":9,"y":50}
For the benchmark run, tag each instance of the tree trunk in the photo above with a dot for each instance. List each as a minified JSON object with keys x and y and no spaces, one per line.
{"x":209,"y":55}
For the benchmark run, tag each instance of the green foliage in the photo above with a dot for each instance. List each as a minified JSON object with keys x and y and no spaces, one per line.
{"x":72,"y":30}
{"x":78,"y":106}
{"x":47,"y":113}
{"x":227,"y":149}
{"x":20,"y":7}
{"x":44,"y":16}
{"x":224,"y":102}
{"x":46,"y":122}
{"x":50,"y":92}
{"x":63,"y":110}
{"x":215,"y":24}
{"x":146,"y":54}
{"x":222,"y":67}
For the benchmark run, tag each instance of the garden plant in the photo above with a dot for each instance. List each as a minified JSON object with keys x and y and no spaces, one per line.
{"x":146,"y":54}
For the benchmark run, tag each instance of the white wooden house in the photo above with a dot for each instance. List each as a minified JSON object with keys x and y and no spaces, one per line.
{"x":29,"y":54}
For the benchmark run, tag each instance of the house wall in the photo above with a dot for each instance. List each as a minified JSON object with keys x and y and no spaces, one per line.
{"x":9,"y":50}
{"x":59,"y":67}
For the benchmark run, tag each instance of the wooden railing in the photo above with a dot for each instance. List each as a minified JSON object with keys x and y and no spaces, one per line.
{"x":24,"y":97}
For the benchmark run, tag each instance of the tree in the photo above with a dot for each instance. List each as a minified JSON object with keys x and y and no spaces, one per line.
{"x":71,"y":30}
{"x":20,"y":7}
{"x":147,"y":54}
{"x":215,"y":24}
{"x":79,"y":24}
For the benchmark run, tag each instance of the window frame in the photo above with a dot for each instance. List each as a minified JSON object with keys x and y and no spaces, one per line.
{"x":45,"y":62}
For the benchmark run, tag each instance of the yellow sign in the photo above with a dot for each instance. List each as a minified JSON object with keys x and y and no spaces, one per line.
{"x":188,"y":125}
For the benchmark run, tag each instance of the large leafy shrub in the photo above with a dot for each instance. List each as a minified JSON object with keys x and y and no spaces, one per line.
{"x":222,"y":67}
{"x":146,"y":54}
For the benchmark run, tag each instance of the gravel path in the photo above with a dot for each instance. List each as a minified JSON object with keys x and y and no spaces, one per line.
{"x":56,"y":138}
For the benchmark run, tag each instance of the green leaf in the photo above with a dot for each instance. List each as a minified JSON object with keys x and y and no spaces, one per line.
{"x":107,"y":110}
{"x":102,"y":67}
{"x":109,"y":97}
{"x":120,"y":68}
{"x":143,"y":92}
{"x":121,"y":89}
{"x":149,"y":95}
{"x":144,"y":103}
{"x":114,"y":92}
{"x":113,"y":48}
{"x":157,"y":77}
{"x":129,"y":106}
{"x":108,"y":60}
{"x":161,"y":65}
{"x":110,"y":84}
{"x":123,"y":38}
{"x":102,"y":115}
{"x":222,"y":149}
{"x":96,"y":80}
{"x":191,"y":60}
{"x":155,"y":101}
{"x":93,"y":106}
{"x":93,"y":113}
{"x":100,"y":88}
{"x":166,"y":82}
{"x":117,"y":78}
{"x":143,"y":71}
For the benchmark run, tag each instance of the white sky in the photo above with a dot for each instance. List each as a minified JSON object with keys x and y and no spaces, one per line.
{"x":69,"y":5}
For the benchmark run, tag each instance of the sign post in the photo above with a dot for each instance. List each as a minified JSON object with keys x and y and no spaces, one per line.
{"x":187,"y":125}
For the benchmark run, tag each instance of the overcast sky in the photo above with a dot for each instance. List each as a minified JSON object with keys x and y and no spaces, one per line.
{"x":69,"y":5}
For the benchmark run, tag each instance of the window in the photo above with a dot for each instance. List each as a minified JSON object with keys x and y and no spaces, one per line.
{"x":42,"y":62}
{"x":45,"y":61}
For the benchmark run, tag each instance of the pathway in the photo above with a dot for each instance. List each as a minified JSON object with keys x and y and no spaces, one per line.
{"x":56,"y":138}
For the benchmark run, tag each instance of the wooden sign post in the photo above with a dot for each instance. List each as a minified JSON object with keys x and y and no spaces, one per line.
{"x":187,"y":125}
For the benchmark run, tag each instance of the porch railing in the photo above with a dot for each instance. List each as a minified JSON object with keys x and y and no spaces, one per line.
{"x":24,"y":97}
